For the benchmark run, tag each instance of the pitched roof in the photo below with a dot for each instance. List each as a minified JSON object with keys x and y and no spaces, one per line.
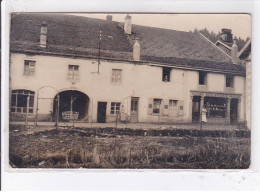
{"x":245,"y":51}
{"x":224,"y":44}
{"x":79,"y":36}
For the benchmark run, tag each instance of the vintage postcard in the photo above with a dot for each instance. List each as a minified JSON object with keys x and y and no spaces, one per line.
{"x":130,"y":91}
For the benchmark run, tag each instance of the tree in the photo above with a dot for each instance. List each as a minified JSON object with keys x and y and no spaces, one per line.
{"x":213,"y":37}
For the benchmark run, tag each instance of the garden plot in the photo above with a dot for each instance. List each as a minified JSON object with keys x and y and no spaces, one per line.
{"x":119,"y":148}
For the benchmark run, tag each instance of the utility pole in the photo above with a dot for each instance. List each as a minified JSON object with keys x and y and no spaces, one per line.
{"x":71,"y":109}
{"x":57,"y":111}
{"x":37,"y":108}
{"x":99,"y":48}
{"x":99,"y":51}
{"x":116,"y":118}
{"x":201,"y":120}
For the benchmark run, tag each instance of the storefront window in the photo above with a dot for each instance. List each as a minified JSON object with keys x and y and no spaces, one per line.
{"x":216,"y":107}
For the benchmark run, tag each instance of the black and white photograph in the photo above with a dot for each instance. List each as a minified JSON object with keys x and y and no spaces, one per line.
{"x":130,"y":91}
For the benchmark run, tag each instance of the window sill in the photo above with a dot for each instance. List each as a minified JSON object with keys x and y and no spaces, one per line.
{"x":28,"y":75}
{"x":114,"y":115}
{"x":116,"y":83}
{"x":73,"y":80}
{"x":229,"y":89}
{"x":202,"y":87}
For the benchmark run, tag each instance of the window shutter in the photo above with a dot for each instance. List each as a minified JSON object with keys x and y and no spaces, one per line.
{"x":150,"y":106}
{"x":166,"y":107}
{"x":181,"y":107}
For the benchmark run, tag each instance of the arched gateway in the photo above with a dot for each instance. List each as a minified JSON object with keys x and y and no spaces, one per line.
{"x":72,"y":100}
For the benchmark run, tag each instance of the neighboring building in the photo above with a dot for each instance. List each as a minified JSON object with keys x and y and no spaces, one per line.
{"x":149,"y":74}
{"x":245,"y":55}
{"x":225,"y":41}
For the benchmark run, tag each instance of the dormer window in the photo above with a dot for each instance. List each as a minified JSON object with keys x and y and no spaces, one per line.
{"x":166,"y":74}
{"x":202,"y":78}
{"x":229,"y":81}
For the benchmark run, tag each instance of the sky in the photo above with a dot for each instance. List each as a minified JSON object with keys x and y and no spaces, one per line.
{"x":240,"y":24}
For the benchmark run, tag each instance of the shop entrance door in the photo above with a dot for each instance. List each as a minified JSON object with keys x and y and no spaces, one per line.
{"x":233,"y":111}
{"x":196,"y":109}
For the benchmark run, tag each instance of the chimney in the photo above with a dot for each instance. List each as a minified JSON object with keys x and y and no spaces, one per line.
{"x":43,"y":36}
{"x":226,"y":35}
{"x":128,"y":25}
{"x":136,"y":51}
{"x":109,"y":17}
{"x":234,"y":51}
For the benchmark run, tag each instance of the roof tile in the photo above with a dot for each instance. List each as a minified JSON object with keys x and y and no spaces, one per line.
{"x":77,"y":35}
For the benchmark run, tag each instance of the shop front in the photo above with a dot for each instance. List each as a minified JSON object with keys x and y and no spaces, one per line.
{"x":216,"y":109}
{"x":222,"y":108}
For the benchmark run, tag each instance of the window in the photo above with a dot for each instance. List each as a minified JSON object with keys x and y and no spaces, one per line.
{"x":202,"y":78}
{"x":229,"y":81}
{"x":173,"y":107}
{"x":166,"y":74}
{"x":115,"y":108}
{"x":73,"y":73}
{"x":216,"y":107}
{"x":116,"y":75}
{"x":134,"y":104}
{"x":29,"y":68}
{"x":156,"y":105}
{"x":173,"y":103}
{"x":19,"y":101}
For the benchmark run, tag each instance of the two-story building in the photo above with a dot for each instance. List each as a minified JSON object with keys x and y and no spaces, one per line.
{"x":102,"y":68}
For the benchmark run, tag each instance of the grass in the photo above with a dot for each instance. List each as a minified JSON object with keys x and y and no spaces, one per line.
{"x":69,"y":148}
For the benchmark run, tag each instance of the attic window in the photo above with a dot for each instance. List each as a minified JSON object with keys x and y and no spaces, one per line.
{"x":229,"y":81}
{"x":202,"y":78}
{"x":166,"y":74}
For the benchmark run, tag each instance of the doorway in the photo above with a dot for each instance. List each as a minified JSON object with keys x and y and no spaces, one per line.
{"x":196,"y":109}
{"x":72,"y":101}
{"x":102,"y":109}
{"x":134,"y":109}
{"x":233,"y":111}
